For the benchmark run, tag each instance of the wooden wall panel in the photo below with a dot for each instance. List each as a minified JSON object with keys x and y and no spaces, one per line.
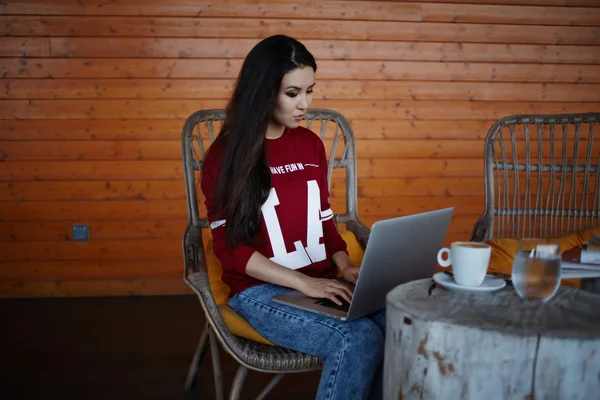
{"x":152,"y":129}
{"x":59,"y":68}
{"x":81,"y":211}
{"x":306,"y":29}
{"x":332,"y":89}
{"x":170,"y":150}
{"x":94,"y":95}
{"x":103,"y":230}
{"x":360,"y":109}
{"x":322,"y":49}
{"x":520,"y":13}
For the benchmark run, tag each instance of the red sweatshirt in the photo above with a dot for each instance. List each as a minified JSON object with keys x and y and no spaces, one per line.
{"x":297,"y":229}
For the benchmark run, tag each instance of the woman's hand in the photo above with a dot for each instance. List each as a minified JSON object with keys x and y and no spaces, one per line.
{"x":326,"y":289}
{"x":350,"y":273}
{"x":348,"y":270}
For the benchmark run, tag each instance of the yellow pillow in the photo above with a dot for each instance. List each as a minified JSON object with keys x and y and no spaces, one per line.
{"x":503,"y":252}
{"x":219,"y":289}
{"x":239,"y":326}
{"x":355,"y":251}
{"x":236,"y":324}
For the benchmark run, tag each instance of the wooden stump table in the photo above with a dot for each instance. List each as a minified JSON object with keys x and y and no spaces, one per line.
{"x":491,"y":346}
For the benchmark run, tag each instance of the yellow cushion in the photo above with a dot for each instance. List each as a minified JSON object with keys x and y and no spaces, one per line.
{"x":503,"y":252}
{"x":568,"y":242}
{"x":355,"y":251}
{"x":586,"y":235}
{"x":239,"y":326}
{"x":236,"y":324}
{"x":219,"y":289}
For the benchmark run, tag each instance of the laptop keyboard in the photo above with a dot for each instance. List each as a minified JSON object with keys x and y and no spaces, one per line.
{"x":329,"y":303}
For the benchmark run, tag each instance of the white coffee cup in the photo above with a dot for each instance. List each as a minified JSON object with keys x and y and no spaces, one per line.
{"x":469,"y":261}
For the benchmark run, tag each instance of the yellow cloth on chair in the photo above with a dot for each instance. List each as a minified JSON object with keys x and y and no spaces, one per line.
{"x":503,"y":252}
{"x":236,"y":324}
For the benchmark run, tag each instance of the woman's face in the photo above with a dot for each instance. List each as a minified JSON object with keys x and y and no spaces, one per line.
{"x":295,"y":96}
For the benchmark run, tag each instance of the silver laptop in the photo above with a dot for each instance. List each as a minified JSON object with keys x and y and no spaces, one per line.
{"x":399,"y":250}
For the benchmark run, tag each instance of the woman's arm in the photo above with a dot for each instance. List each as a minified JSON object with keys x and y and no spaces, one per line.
{"x":260,"y":267}
{"x":343,"y":263}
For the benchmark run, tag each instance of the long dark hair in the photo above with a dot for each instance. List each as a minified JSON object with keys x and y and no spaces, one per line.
{"x":245,"y":179}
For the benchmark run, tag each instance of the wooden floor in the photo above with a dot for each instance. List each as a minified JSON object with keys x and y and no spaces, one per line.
{"x":115,"y":348}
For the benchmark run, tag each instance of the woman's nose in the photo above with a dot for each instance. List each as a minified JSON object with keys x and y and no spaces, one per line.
{"x":303,"y":103}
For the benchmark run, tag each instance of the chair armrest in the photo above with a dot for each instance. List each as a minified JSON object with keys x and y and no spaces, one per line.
{"x":196,"y":277}
{"x":193,"y":252}
{"x":481,"y":230}
{"x":360,"y":231}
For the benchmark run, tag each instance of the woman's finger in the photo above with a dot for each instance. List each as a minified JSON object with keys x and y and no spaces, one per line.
{"x":334,"y":299}
{"x":337,"y":292}
{"x":342,"y":287}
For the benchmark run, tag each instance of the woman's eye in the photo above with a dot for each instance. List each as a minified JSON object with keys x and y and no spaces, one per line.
{"x":309,"y":91}
{"x":291,"y":94}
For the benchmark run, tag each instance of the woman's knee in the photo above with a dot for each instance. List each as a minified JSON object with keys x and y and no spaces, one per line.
{"x":371,"y":338}
{"x":362,"y":336}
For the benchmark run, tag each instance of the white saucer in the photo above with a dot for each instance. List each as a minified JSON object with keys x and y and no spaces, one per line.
{"x":490,"y":284}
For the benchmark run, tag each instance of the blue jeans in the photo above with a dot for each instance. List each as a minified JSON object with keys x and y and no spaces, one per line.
{"x":352,"y":350}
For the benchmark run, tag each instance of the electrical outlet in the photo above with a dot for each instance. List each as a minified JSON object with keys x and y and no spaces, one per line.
{"x":80,"y":232}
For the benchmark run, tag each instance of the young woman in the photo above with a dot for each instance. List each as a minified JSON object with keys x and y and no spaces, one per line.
{"x":265,"y":183}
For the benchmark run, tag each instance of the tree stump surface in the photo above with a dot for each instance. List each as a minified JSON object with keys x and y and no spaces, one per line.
{"x":491,"y":346}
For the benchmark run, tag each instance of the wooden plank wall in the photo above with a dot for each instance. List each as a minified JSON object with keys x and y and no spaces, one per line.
{"x":95,"y":94}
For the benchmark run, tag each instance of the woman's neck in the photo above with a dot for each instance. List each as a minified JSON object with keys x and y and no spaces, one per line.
{"x":274,"y":130}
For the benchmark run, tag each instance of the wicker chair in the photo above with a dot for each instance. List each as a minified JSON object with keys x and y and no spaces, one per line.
{"x":198,"y":133}
{"x":542,"y":178}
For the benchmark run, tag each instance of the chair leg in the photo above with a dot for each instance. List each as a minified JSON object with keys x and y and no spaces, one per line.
{"x":270,"y":386}
{"x":238,"y":382}
{"x":216,"y":358}
{"x":199,"y":357}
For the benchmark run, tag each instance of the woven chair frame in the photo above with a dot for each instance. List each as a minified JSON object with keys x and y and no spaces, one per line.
{"x":198,"y":132}
{"x":542,"y":177}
